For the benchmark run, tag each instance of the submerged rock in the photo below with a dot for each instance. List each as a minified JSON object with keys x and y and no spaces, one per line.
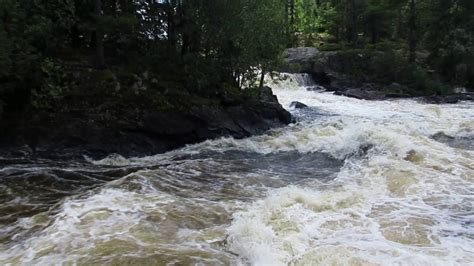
{"x":464,"y":142}
{"x":414,"y":156}
{"x":298,"y":105}
{"x":362,"y":151}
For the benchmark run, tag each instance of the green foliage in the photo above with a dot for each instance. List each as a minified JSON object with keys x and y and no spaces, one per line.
{"x":418,"y":79}
{"x":53,"y":85}
{"x":329,"y":19}
{"x":388,"y":67}
{"x":193,"y":46}
{"x":442,"y":29}
{"x":196,"y":46}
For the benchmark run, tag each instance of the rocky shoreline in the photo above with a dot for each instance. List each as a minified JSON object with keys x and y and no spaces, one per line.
{"x":139,"y":129}
{"x":329,"y":69}
{"x":367,"y":94}
{"x":137,"y":132}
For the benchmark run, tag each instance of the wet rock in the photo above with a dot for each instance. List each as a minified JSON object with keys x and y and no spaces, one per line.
{"x":362,"y":151}
{"x":266,"y":95}
{"x":362,"y":94}
{"x":365,"y":148}
{"x":396,"y":90}
{"x":414,"y":156}
{"x":465,"y":142}
{"x":397,"y":95}
{"x":134,"y":131}
{"x":317,"y":88}
{"x":448,"y":99}
{"x":320,"y":77}
{"x":440,"y":136}
{"x":298,"y":105}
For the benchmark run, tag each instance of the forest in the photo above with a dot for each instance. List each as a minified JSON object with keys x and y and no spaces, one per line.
{"x":203,"y":45}
{"x":236,"y":132}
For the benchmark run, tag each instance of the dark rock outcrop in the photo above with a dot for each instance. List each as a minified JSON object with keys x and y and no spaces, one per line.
{"x":362,"y":94}
{"x":448,"y":99}
{"x":138,"y":131}
{"x":298,"y":105}
{"x":326,"y":68}
{"x":300,"y":55}
{"x":348,"y":74}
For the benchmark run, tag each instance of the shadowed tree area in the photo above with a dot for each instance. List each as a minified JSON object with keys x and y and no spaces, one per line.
{"x":183,"y":45}
{"x":428,"y":43}
{"x":101,"y":56}
{"x":203,"y":46}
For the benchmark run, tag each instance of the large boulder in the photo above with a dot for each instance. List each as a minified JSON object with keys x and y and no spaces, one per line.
{"x":298,"y":105}
{"x":326,"y":67}
{"x":266,"y":95}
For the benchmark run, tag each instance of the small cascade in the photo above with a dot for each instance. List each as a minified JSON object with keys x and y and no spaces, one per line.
{"x":352,"y":182}
{"x":304,"y":80}
{"x":291,"y":81}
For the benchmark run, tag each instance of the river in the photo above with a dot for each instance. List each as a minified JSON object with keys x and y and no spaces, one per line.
{"x":352,"y":182}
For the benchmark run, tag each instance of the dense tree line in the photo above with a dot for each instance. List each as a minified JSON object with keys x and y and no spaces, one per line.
{"x":438,"y":34}
{"x":207,"y":44}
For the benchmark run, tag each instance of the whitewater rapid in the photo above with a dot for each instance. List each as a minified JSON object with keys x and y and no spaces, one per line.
{"x":352,"y":182}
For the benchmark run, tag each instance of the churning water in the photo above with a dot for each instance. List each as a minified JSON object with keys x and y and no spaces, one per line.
{"x":353,"y":182}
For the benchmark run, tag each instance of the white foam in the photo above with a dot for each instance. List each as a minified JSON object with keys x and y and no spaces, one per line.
{"x":408,"y":202}
{"x":111,"y":160}
{"x":405,"y":199}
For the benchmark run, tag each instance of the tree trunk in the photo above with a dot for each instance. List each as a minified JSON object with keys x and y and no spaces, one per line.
{"x":171,"y":25}
{"x":412,"y":38}
{"x":353,"y":21}
{"x":287,"y":24}
{"x":190,"y":32}
{"x":262,"y":78}
{"x":76,"y":39}
{"x":292,"y":22}
{"x":398,"y":34}
{"x":374,"y":33}
{"x":99,"y":36}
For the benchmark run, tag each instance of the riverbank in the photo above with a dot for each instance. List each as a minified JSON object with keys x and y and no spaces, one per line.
{"x":372,"y":75}
{"x":85,"y":111}
{"x":356,"y":182}
{"x":99,"y":112}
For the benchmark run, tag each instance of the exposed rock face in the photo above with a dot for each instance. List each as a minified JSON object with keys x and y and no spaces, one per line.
{"x":139,"y":132}
{"x":323,"y":66}
{"x":362,"y":94}
{"x":327,"y":69}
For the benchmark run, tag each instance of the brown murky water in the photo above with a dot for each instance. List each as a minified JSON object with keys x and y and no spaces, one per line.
{"x":353,"y":182}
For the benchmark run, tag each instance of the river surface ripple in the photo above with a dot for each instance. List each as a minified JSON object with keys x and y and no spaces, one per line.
{"x":352,"y":182}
